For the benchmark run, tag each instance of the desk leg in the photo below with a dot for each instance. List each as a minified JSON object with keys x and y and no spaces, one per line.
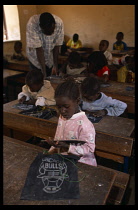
{"x":126,"y":161}
{"x":11,"y":133}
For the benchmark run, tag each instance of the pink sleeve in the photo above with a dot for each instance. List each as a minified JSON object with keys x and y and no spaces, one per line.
{"x":86,"y":134}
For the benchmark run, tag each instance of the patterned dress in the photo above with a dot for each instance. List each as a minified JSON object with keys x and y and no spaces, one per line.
{"x":78,"y":127}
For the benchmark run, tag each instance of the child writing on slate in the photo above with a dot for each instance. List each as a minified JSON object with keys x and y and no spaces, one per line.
{"x":73,"y":124}
{"x":96,"y":103}
{"x":97,"y":66}
{"x":37,"y":91}
{"x":73,"y":65}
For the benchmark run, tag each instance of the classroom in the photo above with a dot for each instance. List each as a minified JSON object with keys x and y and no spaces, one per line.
{"x":35,"y":135}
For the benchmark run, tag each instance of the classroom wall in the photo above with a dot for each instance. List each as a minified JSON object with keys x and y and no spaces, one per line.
{"x":95,"y":22}
{"x":91,"y":22}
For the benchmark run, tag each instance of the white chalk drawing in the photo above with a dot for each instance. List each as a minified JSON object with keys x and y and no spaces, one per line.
{"x":52,"y":172}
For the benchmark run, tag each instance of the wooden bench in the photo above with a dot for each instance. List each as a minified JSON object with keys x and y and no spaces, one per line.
{"x":100,"y":187}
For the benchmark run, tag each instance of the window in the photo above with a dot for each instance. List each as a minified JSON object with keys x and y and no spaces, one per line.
{"x":11,"y":27}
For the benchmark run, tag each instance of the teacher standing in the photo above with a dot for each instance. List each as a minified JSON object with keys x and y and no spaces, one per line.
{"x":44,"y":36}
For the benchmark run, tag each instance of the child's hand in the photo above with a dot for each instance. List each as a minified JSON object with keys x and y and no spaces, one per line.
{"x":50,"y":141}
{"x":22,"y":100}
{"x":62,"y":144}
{"x":54,"y":71}
{"x":30,"y":102}
{"x":100,"y":113}
{"x":58,"y":144}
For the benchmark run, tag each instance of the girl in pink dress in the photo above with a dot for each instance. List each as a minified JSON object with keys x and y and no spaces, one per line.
{"x":73,"y":124}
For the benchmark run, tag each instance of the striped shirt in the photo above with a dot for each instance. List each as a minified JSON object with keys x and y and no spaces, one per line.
{"x":35,"y":39}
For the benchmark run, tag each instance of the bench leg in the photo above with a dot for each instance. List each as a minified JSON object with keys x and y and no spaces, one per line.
{"x":126,"y":161}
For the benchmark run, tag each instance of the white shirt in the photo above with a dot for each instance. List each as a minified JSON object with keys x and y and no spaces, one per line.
{"x":108,"y":56}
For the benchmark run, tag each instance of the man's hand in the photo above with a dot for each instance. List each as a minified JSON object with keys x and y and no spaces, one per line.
{"x":54,"y":71}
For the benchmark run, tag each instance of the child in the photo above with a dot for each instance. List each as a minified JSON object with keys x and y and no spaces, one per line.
{"x":37,"y":91}
{"x":119,"y":44}
{"x":18,"y":53}
{"x":123,"y":72}
{"x":73,"y":65}
{"x":73,"y":124}
{"x":97,"y":103}
{"x":74,"y":43}
{"x":104,"y":44}
{"x":97,"y":66}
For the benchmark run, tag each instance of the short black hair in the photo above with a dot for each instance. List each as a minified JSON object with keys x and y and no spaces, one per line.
{"x":34,"y":77}
{"x":98,"y":59}
{"x":18,"y":43}
{"x":90,"y":86}
{"x":74,"y":58}
{"x":106,"y":41}
{"x":75,"y":37}
{"x":68,"y":89}
{"x":46,"y":20}
{"x":120,"y":33}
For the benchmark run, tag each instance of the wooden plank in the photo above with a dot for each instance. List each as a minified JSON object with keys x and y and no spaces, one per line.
{"x":118,"y":190}
{"x":116,"y":158}
{"x":30,"y":125}
{"x":18,"y":65}
{"x":116,"y":126}
{"x":17,"y":159}
{"x":114,"y":144}
{"x":11,"y":73}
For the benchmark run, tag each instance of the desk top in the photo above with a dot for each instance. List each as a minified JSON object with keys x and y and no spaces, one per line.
{"x":24,"y":62}
{"x":11,"y":73}
{"x":119,"y":88}
{"x":18,"y":65}
{"x":18,"y":156}
{"x":120,"y":53}
{"x":116,"y":126}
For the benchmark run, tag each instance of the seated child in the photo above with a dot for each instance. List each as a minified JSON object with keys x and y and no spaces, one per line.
{"x":37,"y":91}
{"x":123,"y":72}
{"x":74,"y":43}
{"x":103,"y":46}
{"x":73,"y":124}
{"x":97,"y":66}
{"x":119,"y":44}
{"x":73,"y":65}
{"x":96,"y":103}
{"x":18,"y":53}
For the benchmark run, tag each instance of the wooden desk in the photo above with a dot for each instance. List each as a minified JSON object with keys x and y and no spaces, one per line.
{"x":117,"y":90}
{"x":18,"y":65}
{"x":113,"y":134}
{"x":11,"y":73}
{"x":119,"y":53}
{"x":18,"y":156}
{"x":8,"y":74}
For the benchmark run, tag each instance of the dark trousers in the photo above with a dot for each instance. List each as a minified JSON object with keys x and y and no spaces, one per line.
{"x":48,"y":70}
